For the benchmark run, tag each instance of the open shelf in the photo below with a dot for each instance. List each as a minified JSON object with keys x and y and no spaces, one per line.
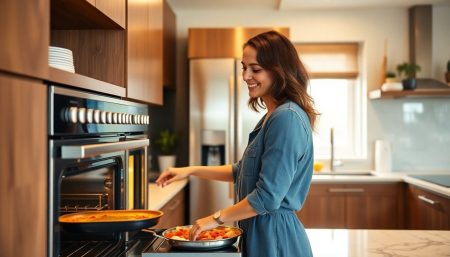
{"x":81,"y":81}
{"x":379,"y":94}
{"x":81,"y":14}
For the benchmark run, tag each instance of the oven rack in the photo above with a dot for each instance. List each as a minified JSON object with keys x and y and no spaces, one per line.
{"x":83,"y":202}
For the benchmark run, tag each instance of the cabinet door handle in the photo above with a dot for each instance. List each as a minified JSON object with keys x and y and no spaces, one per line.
{"x":346,"y":190}
{"x":427,"y":200}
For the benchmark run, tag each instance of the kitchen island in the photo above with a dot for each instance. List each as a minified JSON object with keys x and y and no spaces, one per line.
{"x":348,"y":242}
{"x":379,"y":243}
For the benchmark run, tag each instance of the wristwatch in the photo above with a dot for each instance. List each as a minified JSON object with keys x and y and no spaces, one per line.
{"x":216,"y":217}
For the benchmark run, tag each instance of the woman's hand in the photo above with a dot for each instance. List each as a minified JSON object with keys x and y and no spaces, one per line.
{"x":173,"y":174}
{"x":201,"y":225}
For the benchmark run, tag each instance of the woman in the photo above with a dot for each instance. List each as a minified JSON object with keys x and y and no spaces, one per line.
{"x":273,"y":177}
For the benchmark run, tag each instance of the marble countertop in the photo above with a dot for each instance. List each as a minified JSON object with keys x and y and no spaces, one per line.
{"x":379,"y":243}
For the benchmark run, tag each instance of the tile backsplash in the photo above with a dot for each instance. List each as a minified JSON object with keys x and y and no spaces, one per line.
{"x":419,"y":132}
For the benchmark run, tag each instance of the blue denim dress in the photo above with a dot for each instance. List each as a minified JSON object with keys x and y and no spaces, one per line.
{"x":275,"y":174}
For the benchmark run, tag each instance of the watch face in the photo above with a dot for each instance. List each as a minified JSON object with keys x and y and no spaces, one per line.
{"x":216,"y":217}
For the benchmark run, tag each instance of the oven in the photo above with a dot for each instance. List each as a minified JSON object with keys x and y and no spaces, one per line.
{"x":97,"y":161}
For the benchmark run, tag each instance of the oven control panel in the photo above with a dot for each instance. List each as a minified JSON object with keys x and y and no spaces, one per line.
{"x":86,"y":116}
{"x":74,"y":112}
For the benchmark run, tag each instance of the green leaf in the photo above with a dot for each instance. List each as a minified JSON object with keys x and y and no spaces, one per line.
{"x":166,"y":141}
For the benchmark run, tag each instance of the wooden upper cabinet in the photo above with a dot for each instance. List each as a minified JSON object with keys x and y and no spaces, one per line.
{"x":169,"y":46}
{"x":114,"y":9}
{"x":222,"y":42}
{"x":23,"y":167}
{"x":427,"y":210}
{"x":97,"y":54}
{"x":145,"y":51}
{"x":25,"y":37}
{"x":88,"y":14}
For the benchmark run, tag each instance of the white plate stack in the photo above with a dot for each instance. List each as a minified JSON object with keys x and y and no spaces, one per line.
{"x":61,"y":58}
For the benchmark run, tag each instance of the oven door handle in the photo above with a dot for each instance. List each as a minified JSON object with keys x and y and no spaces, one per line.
{"x":85,"y":151}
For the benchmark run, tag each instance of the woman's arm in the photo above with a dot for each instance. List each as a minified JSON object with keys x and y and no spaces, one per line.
{"x":241,"y":210}
{"x":223,"y":173}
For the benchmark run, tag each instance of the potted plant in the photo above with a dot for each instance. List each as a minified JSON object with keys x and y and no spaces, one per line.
{"x":166,"y":143}
{"x":390,"y":77}
{"x":408,"y":71}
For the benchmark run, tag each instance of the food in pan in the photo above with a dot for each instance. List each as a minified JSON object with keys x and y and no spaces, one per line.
{"x":221,"y":232}
{"x":108,"y":216}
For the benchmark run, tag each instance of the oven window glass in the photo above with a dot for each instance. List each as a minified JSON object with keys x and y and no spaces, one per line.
{"x":136,"y":179}
{"x":90,"y":189}
{"x":131,"y":182}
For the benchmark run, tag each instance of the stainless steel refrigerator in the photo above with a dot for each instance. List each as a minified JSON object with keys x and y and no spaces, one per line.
{"x":219,"y":123}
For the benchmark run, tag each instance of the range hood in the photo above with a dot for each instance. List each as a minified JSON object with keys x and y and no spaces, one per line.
{"x":421,"y":45}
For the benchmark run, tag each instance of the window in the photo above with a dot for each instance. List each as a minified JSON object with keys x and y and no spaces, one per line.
{"x":338,"y":95}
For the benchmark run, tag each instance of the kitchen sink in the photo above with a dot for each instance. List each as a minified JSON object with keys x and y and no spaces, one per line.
{"x":346,"y":173}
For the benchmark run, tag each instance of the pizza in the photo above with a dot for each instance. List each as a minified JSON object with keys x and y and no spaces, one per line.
{"x":108,"y":216}
{"x":221,"y":232}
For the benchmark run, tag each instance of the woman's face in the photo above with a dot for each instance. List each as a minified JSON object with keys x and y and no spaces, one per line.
{"x":258,"y":79}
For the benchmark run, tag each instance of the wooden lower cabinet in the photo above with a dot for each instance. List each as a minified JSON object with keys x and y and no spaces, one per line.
{"x":427,"y":210}
{"x":174,"y":212}
{"x":322,"y":208}
{"x":354,"y":206}
{"x":23,"y":167}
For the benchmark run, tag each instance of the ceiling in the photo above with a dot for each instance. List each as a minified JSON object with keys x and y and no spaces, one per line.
{"x":186,"y":5}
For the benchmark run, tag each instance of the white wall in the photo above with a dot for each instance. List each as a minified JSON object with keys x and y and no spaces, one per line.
{"x":371,"y":27}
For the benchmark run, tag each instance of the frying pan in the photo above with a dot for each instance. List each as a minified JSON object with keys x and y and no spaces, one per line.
{"x":109,"y":221}
{"x":198,"y":244}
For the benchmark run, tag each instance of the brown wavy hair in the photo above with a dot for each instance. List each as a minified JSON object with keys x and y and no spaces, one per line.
{"x":276,"y":54}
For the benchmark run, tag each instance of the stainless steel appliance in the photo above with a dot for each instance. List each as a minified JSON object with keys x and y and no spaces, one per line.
{"x":97,"y":161}
{"x":218,"y":105}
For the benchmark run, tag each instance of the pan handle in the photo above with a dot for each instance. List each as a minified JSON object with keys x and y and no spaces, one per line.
{"x":154,"y":233}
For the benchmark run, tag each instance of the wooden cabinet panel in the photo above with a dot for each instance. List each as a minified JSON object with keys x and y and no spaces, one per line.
{"x":174,"y":212}
{"x":356,"y":206}
{"x":114,"y":9}
{"x":427,"y":210}
{"x":169,"y":46}
{"x":88,"y":14}
{"x":23,"y":167}
{"x":24,"y":42}
{"x":145,"y":52}
{"x":97,"y":54}
{"x":375,"y":206}
{"x":222,"y":42}
{"x":323,"y":209}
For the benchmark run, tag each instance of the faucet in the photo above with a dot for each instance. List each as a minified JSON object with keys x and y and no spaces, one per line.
{"x":332,"y":168}
{"x":333,"y":163}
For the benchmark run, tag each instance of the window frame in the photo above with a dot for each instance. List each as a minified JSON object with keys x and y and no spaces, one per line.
{"x":357,"y":117}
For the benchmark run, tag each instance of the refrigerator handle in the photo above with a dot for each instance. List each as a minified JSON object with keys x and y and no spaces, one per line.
{"x":231,"y":121}
{"x":232,"y":135}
